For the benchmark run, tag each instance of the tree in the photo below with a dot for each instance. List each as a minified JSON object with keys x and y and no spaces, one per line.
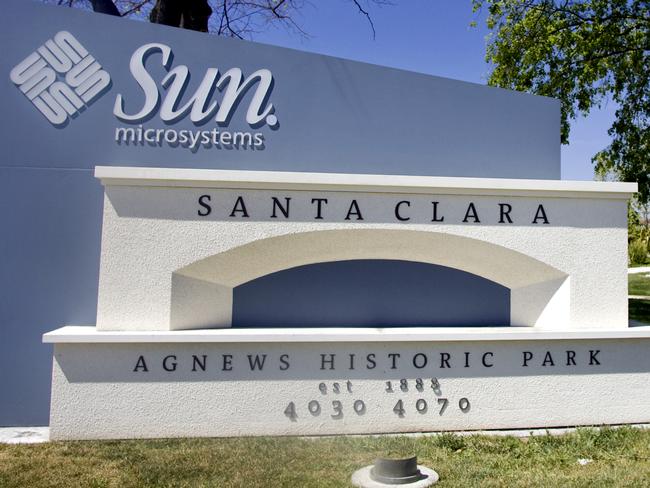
{"x":233,"y":18}
{"x":585,"y":53}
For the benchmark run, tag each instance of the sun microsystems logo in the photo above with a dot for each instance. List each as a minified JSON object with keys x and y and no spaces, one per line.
{"x":60,"y":78}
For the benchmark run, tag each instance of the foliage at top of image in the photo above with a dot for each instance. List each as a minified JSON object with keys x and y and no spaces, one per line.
{"x":585,"y":53}
{"x":638,"y":233}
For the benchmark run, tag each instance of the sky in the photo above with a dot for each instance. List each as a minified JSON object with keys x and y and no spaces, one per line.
{"x":427,"y":36}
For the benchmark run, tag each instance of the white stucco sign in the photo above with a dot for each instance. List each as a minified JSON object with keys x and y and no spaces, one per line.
{"x":164,"y":359}
{"x":293,"y":243}
{"x":227,"y":228}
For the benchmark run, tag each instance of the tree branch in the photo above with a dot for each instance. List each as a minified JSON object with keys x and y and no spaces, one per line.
{"x":135,"y":8}
{"x":365,"y":12}
{"x":228,"y":26}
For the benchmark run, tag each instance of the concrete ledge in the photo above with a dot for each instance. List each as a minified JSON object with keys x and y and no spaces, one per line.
{"x":86,"y":334}
{"x":37,"y":435}
{"x":229,"y":382}
{"x":24,"y":435}
{"x":282,"y":180}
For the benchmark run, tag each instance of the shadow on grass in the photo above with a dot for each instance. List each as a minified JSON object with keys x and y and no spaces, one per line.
{"x":639,"y":310}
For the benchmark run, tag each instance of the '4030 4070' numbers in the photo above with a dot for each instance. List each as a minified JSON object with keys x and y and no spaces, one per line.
{"x":337,"y":409}
{"x":358,"y":407}
{"x":422,"y":406}
{"x":315,"y":409}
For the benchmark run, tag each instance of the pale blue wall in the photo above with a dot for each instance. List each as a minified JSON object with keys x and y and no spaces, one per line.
{"x":370,"y":293}
{"x":335,"y":116}
{"x":51,"y":225}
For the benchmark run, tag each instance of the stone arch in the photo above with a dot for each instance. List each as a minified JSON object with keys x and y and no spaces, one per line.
{"x":201,"y":295}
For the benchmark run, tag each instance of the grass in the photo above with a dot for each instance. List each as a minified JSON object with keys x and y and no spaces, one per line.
{"x":638,"y":284}
{"x":620,"y":457}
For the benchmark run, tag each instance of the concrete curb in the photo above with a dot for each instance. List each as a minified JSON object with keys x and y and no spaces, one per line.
{"x":641,"y":269}
{"x":36,"y":435}
{"x":520,"y":433}
{"x":24,"y":435}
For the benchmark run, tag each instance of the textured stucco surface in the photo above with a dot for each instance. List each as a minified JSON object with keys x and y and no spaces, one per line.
{"x":97,"y":394}
{"x":570,"y":273}
{"x":164,"y":267}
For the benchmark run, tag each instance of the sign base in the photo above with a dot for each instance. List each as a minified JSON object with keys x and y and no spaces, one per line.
{"x":214,"y":383}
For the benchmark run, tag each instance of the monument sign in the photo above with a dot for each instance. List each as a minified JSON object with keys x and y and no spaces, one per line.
{"x":164,"y":359}
{"x":226,"y":164}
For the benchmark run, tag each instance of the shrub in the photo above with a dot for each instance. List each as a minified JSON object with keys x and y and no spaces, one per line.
{"x":637,"y":252}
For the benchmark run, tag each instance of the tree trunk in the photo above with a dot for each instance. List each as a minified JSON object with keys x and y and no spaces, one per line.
{"x":188,"y":14}
{"x":105,"y":7}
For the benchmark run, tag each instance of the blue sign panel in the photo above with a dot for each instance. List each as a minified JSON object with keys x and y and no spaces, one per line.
{"x":82,"y":88}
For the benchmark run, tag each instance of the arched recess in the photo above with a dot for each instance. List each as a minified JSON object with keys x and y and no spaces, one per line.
{"x":202,"y":292}
{"x":370,"y":293}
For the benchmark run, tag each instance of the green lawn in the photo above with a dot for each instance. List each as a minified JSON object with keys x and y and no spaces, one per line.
{"x":638,"y":284}
{"x":620,"y":457}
